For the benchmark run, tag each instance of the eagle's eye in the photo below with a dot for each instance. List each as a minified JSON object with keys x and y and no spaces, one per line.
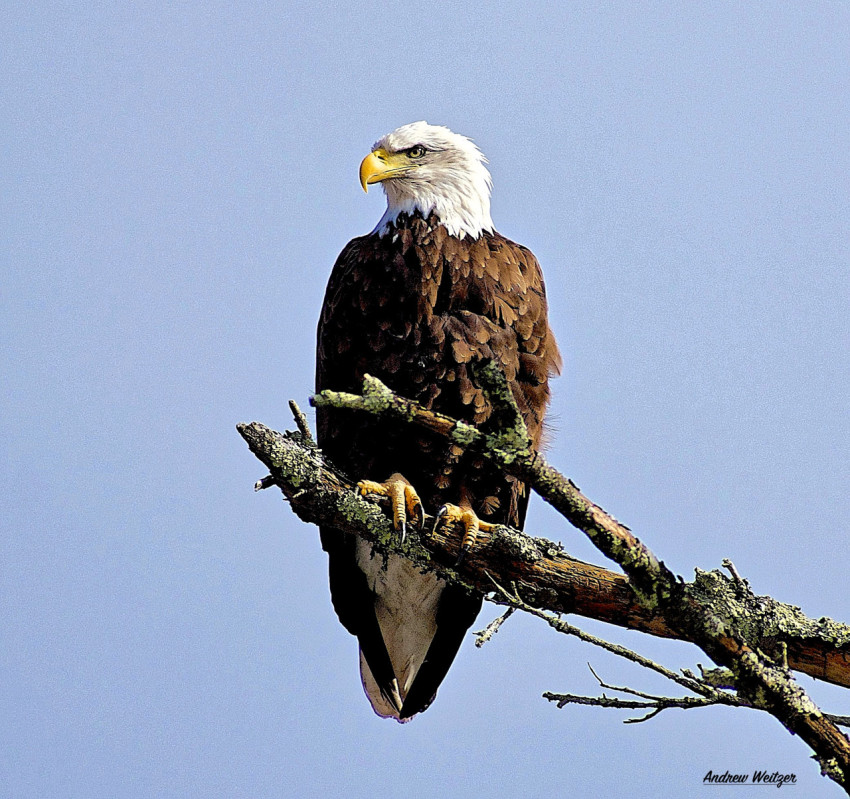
{"x":416,"y":152}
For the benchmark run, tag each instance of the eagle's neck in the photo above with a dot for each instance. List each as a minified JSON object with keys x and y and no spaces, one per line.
{"x":460,"y":203}
{"x":408,"y":229}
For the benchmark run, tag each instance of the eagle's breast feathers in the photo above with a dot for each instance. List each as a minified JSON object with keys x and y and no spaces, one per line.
{"x":415,"y":308}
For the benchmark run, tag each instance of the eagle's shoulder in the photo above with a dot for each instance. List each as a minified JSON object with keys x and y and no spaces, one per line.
{"x":347,"y":271}
{"x":354,"y":256}
{"x":514,"y":255}
{"x":518,"y":289}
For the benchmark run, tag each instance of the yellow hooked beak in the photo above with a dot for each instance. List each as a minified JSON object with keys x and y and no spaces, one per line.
{"x":380,"y":165}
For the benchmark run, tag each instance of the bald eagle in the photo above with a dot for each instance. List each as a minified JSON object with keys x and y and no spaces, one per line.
{"x":432,"y":289}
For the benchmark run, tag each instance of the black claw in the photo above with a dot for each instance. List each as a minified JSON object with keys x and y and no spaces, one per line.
{"x":403,"y":531}
{"x":420,"y":516}
{"x":461,"y":557}
{"x":440,"y":513}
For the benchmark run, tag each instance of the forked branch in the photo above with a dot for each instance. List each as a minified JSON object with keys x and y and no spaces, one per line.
{"x":756,"y":638}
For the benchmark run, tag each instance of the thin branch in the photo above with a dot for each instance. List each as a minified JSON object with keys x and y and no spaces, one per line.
{"x":513,"y":599}
{"x":622,"y":689}
{"x":730,"y":567}
{"x":483,"y":636}
{"x":655,"y":705}
{"x":265,"y":482}
{"x":659,"y":703}
{"x":302,"y":424}
{"x":708,"y":694}
{"x":716,"y":678}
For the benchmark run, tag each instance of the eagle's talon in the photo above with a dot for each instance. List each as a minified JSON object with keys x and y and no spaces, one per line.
{"x":439,"y":515}
{"x":471,"y":527}
{"x":419,"y":514}
{"x":403,"y":499}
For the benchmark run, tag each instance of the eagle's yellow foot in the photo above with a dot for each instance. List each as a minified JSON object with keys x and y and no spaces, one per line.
{"x":403,"y":498}
{"x":471,"y":525}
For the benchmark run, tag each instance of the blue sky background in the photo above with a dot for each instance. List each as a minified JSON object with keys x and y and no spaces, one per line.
{"x":176,"y":181}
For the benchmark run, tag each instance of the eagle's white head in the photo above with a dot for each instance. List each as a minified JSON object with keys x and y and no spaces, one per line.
{"x":428,"y":168}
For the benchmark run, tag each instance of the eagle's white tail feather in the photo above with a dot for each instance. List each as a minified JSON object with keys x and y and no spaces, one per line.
{"x":380,"y":704}
{"x":406,"y":606}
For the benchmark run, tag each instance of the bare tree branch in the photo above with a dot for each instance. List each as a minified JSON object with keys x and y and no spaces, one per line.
{"x":547,"y":577}
{"x":720,"y":615}
{"x":483,"y":636}
{"x":656,"y":704}
{"x":759,"y":678}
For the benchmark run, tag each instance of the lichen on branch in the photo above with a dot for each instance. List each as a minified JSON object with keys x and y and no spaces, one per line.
{"x":756,"y":642}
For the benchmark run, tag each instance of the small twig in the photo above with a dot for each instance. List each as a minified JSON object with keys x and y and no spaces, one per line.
{"x":266,"y":482}
{"x":647,"y":717}
{"x":716,"y":678}
{"x":730,"y":567}
{"x":655,"y":705}
{"x":623,"y":689}
{"x":651,"y":701}
{"x":301,"y":422}
{"x":483,"y":636}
